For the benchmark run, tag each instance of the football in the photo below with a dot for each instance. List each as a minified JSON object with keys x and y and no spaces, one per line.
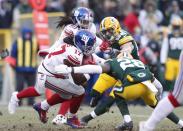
{"x":78,"y":79}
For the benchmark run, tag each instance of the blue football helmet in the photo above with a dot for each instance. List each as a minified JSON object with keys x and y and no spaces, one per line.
{"x":83,"y":17}
{"x":85,"y":41}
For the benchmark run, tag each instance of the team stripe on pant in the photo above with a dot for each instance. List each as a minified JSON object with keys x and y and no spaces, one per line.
{"x":57,"y":89}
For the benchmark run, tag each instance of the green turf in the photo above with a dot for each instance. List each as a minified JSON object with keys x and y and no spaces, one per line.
{"x":26,"y":119}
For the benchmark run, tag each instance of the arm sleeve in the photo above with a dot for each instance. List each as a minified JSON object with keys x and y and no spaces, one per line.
{"x":164,"y":51}
{"x":90,"y":69}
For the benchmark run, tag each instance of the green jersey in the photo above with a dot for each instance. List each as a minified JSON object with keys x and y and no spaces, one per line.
{"x":129,"y":71}
{"x":123,"y":38}
{"x":175,"y":46}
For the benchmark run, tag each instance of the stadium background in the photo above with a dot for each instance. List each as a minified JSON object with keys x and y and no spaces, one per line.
{"x":17,"y":14}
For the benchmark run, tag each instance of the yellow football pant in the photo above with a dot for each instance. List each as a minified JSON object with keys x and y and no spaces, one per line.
{"x":138,"y":91}
{"x":172,"y":69}
{"x":104,"y":82}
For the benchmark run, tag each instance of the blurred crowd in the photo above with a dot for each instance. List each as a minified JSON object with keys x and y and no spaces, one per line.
{"x":147,"y":20}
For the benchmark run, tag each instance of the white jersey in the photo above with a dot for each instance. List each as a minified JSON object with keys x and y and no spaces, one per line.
{"x":70,"y":30}
{"x":57,"y":56}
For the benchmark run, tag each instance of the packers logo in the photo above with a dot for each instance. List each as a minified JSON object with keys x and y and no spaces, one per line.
{"x":118,"y":89}
{"x":141,"y":75}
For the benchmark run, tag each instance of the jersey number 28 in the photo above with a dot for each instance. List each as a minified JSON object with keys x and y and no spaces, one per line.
{"x":126,"y":63}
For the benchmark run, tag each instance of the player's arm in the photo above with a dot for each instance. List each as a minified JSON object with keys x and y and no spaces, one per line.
{"x":86,"y":69}
{"x":164,"y":51}
{"x":126,"y":44}
{"x":82,"y":77}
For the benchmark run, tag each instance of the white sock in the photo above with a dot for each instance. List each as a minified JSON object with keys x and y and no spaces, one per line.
{"x":127,"y":118}
{"x":93,"y":114}
{"x":44,"y":105}
{"x":180,"y":123}
{"x":163,"y":108}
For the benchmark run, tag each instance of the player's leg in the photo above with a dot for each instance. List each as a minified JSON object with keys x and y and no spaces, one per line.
{"x":103,"y":83}
{"x":72,"y":119}
{"x":127,"y":124}
{"x":64,"y":107}
{"x":43,"y":107}
{"x":170,"y":74}
{"x":99,"y":110}
{"x":19,"y":83}
{"x":167,"y":104}
{"x":66,"y":90}
{"x":31,"y":79}
{"x":26,"y":93}
{"x":122,"y":94}
{"x":150,"y":99}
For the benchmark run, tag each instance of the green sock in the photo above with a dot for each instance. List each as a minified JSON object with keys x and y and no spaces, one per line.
{"x":95,"y":97}
{"x":122,"y":105}
{"x":104,"y":106}
{"x":174,"y":118}
{"x":169,"y":85}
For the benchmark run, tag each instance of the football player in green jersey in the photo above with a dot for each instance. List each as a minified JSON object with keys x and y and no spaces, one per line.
{"x":137,"y":82}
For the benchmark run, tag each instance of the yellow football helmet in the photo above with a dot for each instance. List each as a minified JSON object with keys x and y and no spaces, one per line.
{"x":110,"y":28}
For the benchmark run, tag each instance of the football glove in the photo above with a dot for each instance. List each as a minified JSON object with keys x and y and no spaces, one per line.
{"x":104,"y":46}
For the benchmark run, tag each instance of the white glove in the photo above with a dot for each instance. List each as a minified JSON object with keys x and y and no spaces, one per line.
{"x":63,"y":69}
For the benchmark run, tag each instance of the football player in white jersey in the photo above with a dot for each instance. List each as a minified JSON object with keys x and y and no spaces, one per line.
{"x":64,"y":86}
{"x":82,"y":18}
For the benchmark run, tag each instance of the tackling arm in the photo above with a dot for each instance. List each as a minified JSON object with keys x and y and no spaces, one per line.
{"x":86,"y":69}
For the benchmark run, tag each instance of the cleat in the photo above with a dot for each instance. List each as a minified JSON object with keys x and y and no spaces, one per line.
{"x":42,"y":113}
{"x":59,"y":120}
{"x":84,"y":121}
{"x":74,"y":122}
{"x":13,"y":103}
{"x":125,"y":126}
{"x":142,"y":127}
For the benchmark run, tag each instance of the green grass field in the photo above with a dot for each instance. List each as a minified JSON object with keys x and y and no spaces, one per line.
{"x":26,"y":119}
